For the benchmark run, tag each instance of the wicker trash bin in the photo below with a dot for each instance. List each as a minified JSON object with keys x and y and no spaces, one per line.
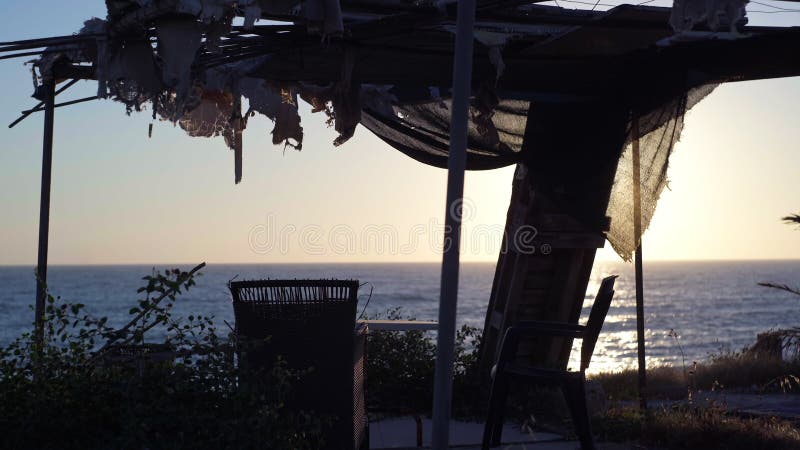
{"x":312,"y":325}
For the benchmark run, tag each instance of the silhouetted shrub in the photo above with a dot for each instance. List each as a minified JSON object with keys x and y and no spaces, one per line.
{"x":86,"y":385}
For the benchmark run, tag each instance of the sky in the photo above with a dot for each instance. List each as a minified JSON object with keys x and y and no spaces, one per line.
{"x":121,"y":197}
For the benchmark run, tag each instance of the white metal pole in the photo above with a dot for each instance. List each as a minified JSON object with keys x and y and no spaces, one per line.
{"x":456,"y":164}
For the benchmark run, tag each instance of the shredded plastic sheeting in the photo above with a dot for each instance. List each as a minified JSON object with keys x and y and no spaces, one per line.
{"x":323,"y":16}
{"x":211,"y":117}
{"x":686,"y":14}
{"x":166,"y":77}
{"x":178,"y":42}
{"x":205,"y":104}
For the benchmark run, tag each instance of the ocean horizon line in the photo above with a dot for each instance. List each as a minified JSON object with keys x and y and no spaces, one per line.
{"x":422,"y":262}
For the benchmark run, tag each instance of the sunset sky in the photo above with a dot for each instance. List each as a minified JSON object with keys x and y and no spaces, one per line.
{"x":121,"y":197}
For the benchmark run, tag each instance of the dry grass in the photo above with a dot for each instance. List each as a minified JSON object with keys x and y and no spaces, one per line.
{"x":662,"y":382}
{"x":696,"y":428}
{"x":740,"y":371}
{"x":710,"y":426}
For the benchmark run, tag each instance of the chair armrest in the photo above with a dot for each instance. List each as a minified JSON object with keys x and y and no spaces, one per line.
{"x":541,"y":328}
{"x":510,"y":343}
{"x":399,"y":325}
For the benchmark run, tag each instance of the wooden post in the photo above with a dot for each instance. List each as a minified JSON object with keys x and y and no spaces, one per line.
{"x":238,"y":129}
{"x":637,"y":229}
{"x":48,"y":87}
{"x":456,"y":165}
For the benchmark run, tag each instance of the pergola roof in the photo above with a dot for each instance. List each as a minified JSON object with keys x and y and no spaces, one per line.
{"x":590,"y":102}
{"x":544,"y":48}
{"x":387,"y":65}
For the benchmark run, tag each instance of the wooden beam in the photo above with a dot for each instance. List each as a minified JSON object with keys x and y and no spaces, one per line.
{"x":44,"y":207}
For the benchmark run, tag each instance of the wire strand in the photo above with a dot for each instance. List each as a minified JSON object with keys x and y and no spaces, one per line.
{"x":781,"y":8}
{"x":778,"y":9}
{"x":364,"y":310}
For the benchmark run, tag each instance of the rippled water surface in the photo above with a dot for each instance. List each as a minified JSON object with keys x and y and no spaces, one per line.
{"x":713,"y":306}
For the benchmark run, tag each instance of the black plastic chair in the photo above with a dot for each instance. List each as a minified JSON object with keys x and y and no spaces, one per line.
{"x":311,"y":324}
{"x":571,"y":383}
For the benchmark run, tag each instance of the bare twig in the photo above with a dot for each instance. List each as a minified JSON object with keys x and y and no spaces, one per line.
{"x":782,"y":287}
{"x":792,"y":219}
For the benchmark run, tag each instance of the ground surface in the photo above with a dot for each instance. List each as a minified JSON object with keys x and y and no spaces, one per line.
{"x":400,"y":433}
{"x":785,"y":406}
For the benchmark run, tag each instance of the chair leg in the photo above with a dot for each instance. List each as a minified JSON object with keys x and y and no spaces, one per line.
{"x":497,"y":431}
{"x":493,"y":430}
{"x":488,"y":427}
{"x":575,"y":393}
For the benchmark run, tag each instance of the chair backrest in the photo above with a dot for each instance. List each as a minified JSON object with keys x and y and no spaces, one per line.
{"x":284,"y":299}
{"x":602,"y":302}
{"x":302,"y":318}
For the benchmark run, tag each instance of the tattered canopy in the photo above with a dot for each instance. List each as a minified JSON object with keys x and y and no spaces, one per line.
{"x":557,"y":90}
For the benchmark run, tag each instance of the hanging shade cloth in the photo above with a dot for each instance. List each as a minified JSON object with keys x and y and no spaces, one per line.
{"x":659,"y":130}
{"x":565,"y":144}
{"x":422,"y":132}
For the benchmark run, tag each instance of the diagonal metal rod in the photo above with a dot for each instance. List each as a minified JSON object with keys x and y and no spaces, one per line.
{"x":38,"y":107}
{"x":68,"y":103}
{"x":18,"y":47}
{"x":637,"y":230}
{"x":44,"y":206}
{"x":39,"y":52}
{"x":43,"y":42}
{"x":456,"y":164}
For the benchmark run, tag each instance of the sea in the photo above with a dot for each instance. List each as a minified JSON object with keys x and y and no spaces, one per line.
{"x":693,"y":310}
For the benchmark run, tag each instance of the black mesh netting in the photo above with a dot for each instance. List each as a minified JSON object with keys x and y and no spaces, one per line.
{"x":497,"y":138}
{"x":659,"y":130}
{"x":422,"y":131}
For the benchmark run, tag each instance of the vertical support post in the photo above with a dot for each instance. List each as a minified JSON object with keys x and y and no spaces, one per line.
{"x":238,"y":129}
{"x":456,"y":165}
{"x":637,"y":229}
{"x":48,"y":87}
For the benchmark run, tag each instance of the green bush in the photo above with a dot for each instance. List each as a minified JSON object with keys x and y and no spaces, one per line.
{"x":86,"y":385}
{"x":400,"y":369}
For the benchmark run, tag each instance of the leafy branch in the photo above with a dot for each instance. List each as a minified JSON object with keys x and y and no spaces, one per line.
{"x":167,"y":288}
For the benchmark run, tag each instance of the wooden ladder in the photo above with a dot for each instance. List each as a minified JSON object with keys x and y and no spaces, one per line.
{"x":540,"y":278}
